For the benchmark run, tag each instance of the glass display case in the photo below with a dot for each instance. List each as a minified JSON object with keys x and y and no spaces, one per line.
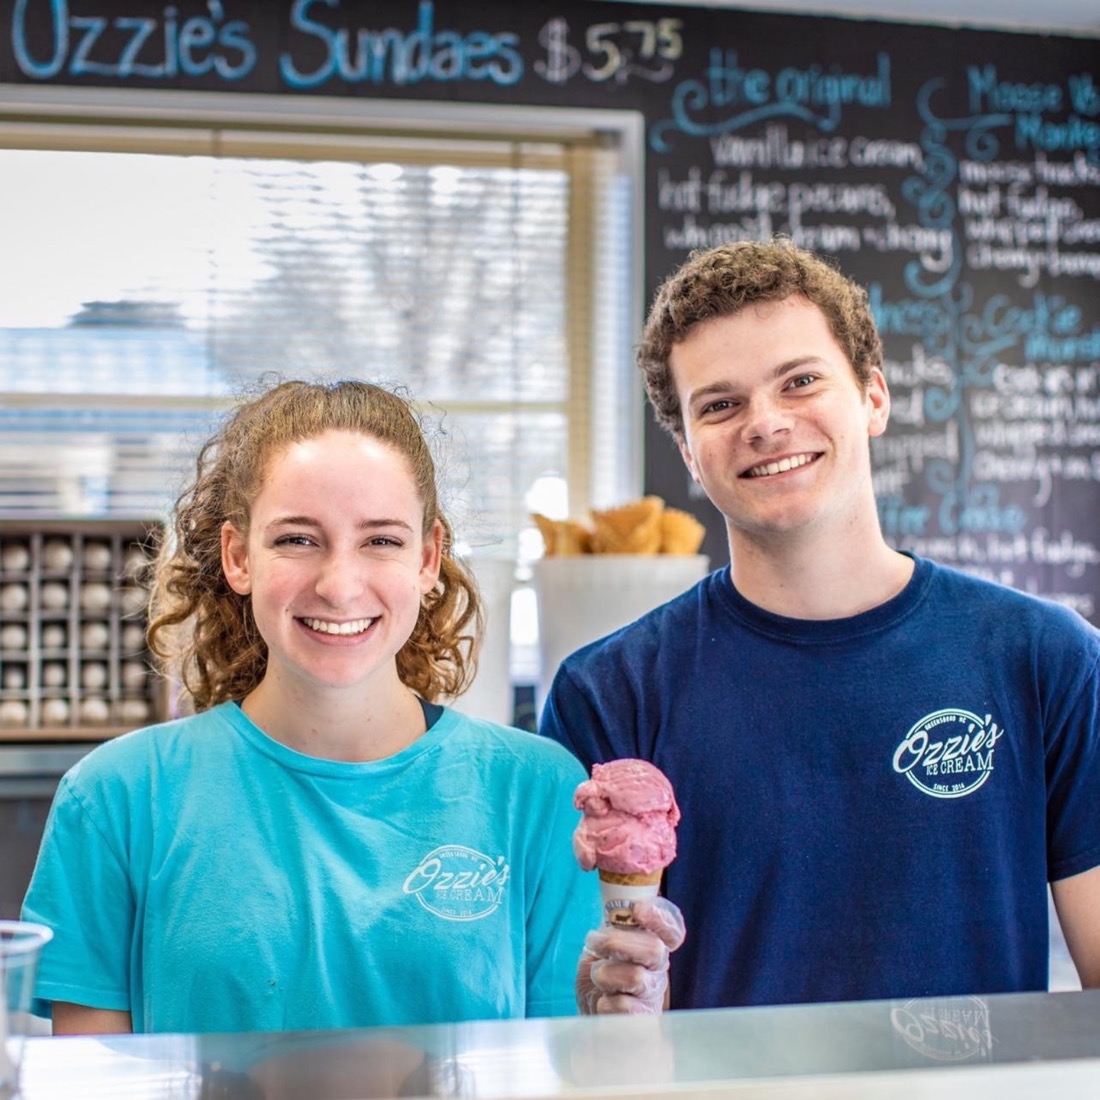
{"x":1004,"y":1046}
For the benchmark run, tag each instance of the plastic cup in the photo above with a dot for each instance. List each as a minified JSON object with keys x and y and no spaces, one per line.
{"x":20,"y":946}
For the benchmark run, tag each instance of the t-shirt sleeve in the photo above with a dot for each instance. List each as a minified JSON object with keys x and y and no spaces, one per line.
{"x":569,"y":718}
{"x":80,"y":889}
{"x":1073,"y":783}
{"x":564,"y":907}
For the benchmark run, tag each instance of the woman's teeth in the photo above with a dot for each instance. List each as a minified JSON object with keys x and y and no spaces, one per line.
{"x":357,"y":626}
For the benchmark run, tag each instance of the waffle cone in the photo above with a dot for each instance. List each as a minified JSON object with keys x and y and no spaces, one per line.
{"x":634,"y":878}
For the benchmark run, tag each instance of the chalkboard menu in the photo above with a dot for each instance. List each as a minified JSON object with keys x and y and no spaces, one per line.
{"x":955,"y":173}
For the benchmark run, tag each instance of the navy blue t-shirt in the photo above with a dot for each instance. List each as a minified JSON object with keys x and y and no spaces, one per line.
{"x":872,"y":806}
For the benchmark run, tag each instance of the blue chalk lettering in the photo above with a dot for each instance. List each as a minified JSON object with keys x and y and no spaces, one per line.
{"x":364,"y":55}
{"x":81,"y":44}
{"x":59,"y":24}
{"x":813,"y":95}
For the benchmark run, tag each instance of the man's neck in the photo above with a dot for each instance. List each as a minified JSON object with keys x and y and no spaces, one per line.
{"x":808,"y":579}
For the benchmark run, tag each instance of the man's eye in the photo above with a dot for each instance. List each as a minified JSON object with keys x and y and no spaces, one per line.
{"x":721,"y":405}
{"x":802,"y":380}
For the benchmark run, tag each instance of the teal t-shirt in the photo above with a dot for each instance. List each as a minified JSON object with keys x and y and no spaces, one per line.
{"x":206,"y":878}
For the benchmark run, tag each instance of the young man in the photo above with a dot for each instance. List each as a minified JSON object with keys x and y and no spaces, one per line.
{"x":881,"y":762}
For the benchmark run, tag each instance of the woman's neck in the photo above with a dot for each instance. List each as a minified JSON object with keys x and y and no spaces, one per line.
{"x":337,"y":725}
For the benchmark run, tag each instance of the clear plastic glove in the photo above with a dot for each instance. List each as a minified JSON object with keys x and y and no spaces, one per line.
{"x":625,"y":969}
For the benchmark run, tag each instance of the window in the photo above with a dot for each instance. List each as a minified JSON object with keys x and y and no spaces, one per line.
{"x":162,"y":253}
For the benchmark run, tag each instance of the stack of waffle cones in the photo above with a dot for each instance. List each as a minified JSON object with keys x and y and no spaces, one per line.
{"x":643,"y":526}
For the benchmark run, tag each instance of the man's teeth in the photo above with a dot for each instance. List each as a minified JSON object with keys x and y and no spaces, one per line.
{"x":781,"y":466}
{"x":357,"y":626}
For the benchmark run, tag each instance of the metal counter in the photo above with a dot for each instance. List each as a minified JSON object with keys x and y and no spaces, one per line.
{"x":1005,"y":1046}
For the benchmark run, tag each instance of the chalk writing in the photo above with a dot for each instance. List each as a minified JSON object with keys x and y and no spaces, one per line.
{"x":986,"y":92}
{"x":614,"y":51}
{"x":1077,"y":171}
{"x":909,"y":316}
{"x":152,"y":47}
{"x":362,"y":55}
{"x":1026,"y":105}
{"x":911,"y":450}
{"x":1031,"y":263}
{"x":774,"y":148}
{"x":1036,"y":132}
{"x":978,"y":507}
{"x":1020,"y":226}
{"x":562,"y":60}
{"x":815,"y":95}
{"x":761,"y":207}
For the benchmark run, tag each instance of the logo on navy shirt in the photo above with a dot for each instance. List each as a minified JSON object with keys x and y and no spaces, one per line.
{"x":949,"y":753}
{"x":458,"y":883}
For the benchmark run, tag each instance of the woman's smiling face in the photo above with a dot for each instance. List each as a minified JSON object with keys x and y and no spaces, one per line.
{"x":335,"y":561}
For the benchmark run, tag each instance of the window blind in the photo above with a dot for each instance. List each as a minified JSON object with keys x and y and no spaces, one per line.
{"x":151,"y":274}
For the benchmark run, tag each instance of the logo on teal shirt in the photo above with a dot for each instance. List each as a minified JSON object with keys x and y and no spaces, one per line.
{"x":458,"y":883}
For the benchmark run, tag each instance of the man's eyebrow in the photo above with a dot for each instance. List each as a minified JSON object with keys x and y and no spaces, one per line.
{"x":794,"y":364}
{"x":709,"y":390}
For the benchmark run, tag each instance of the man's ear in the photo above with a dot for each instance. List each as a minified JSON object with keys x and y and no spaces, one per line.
{"x":235,"y":559}
{"x":878,"y":403}
{"x":685,"y":454}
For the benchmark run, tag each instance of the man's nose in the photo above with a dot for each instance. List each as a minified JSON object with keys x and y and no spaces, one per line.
{"x":765,"y":418}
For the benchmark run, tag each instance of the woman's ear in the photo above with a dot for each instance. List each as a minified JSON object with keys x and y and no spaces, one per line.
{"x":235,"y":559}
{"x":432,"y":558}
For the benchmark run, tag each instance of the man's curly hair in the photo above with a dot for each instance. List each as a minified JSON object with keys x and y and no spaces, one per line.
{"x":722,"y":281}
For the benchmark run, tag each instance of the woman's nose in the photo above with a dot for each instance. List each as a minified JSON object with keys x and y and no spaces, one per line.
{"x":340,"y":578}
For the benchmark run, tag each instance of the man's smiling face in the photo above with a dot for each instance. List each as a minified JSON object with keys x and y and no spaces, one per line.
{"x":776,"y":427}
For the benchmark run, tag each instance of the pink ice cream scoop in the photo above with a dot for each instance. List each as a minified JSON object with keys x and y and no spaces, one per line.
{"x":629,"y":822}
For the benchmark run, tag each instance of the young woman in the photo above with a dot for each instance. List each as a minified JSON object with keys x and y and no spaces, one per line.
{"x":320,"y":845}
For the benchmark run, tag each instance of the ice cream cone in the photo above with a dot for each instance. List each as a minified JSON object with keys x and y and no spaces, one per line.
{"x":631,"y":878}
{"x":620,"y":891}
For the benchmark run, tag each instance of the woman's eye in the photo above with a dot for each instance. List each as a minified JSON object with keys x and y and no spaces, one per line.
{"x":293,"y":540}
{"x":385,"y":540}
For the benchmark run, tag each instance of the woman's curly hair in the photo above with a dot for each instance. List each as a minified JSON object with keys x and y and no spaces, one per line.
{"x":205,"y":632}
{"x":722,"y":281}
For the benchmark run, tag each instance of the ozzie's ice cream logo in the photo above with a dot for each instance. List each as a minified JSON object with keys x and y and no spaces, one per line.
{"x":949,"y":1029}
{"x":457,"y":883}
{"x":948,"y":753}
